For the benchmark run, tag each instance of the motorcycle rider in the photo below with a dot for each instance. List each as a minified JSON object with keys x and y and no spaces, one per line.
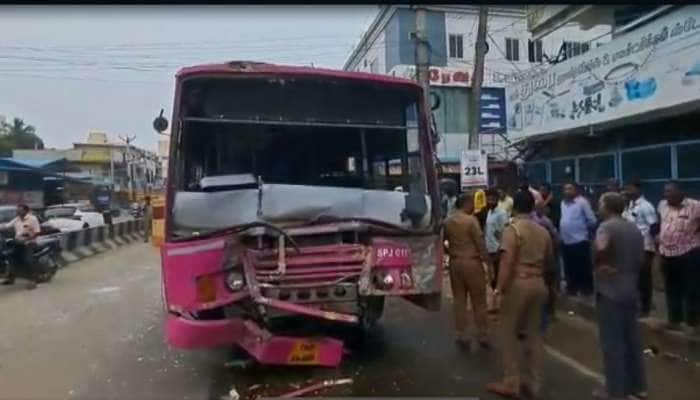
{"x":27,"y":228}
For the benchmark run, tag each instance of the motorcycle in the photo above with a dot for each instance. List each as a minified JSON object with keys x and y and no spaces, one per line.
{"x":136,"y":211}
{"x":44,"y":259}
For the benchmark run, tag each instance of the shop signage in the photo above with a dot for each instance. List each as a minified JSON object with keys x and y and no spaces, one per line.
{"x":474,"y":168}
{"x":438,"y":76}
{"x":97,"y":155}
{"x":492,"y":107}
{"x":652,"y":68}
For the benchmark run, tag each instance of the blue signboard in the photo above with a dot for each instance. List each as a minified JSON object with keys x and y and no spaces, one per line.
{"x":492,"y":110}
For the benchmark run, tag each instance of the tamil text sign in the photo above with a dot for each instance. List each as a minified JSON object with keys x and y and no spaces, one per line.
{"x":654,"y":67}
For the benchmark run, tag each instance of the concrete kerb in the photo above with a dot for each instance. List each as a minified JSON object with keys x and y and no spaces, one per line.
{"x":78,"y":245}
{"x":654,"y":335}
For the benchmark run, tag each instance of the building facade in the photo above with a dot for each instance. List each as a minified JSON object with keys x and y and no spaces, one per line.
{"x":388,"y":48}
{"x":627,"y":109}
{"x":104,"y":162}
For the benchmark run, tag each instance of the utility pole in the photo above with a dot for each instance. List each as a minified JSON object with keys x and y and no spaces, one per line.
{"x":422,"y":54}
{"x":473,"y":111}
{"x":111,"y":167}
{"x":129,"y":170}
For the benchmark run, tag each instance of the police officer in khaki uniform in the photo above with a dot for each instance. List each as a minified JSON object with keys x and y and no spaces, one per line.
{"x":467,"y":251}
{"x":526,"y":256}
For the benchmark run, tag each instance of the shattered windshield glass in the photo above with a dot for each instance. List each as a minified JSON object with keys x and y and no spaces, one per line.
{"x":359,"y":139}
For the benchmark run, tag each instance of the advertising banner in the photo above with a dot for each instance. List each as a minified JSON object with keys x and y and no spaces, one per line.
{"x":654,"y":67}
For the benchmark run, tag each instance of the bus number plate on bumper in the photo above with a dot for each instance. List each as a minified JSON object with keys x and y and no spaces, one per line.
{"x":304,"y":353}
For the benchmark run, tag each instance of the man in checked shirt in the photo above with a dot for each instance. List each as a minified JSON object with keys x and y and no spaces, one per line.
{"x":679,"y":245}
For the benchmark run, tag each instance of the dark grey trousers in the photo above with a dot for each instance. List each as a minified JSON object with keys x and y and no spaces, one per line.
{"x":621,"y":343}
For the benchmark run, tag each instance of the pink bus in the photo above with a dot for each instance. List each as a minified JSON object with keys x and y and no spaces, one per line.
{"x":295,"y":192}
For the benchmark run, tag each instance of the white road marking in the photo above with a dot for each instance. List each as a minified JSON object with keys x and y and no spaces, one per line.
{"x":580,"y":368}
{"x":107,"y":289}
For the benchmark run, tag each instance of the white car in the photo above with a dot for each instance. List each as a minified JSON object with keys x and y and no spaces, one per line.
{"x":73,"y":217}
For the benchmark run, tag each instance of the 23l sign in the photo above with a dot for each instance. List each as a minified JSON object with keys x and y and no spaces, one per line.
{"x":474,"y":168}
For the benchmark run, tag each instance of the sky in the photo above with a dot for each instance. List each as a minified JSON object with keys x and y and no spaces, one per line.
{"x":71,"y":69}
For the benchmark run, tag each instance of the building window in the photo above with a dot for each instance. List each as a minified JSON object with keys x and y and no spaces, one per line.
{"x":688,"y":166}
{"x":574,"y":49}
{"x":563,"y":171}
{"x":536,"y":172}
{"x":456,"y":46}
{"x":654,"y":163}
{"x":596,"y":169}
{"x":534,"y":48}
{"x":512,"y":49}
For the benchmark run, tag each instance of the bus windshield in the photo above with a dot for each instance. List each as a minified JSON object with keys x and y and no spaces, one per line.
{"x":306,"y":140}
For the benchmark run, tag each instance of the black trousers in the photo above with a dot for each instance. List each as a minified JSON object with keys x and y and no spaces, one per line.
{"x":682,"y":276}
{"x":645,"y":286}
{"x":24,"y":258}
{"x":495,"y":260}
{"x":578,"y":266}
{"x":621,"y":343}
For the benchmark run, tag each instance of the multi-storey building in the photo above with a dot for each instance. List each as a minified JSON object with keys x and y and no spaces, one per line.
{"x":388,"y":47}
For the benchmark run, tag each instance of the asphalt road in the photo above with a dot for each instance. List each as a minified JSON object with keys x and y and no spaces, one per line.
{"x":95,"y":332}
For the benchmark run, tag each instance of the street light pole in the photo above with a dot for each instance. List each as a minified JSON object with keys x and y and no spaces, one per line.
{"x":477,"y":79}
{"x":129,"y":169}
{"x":422,"y":53}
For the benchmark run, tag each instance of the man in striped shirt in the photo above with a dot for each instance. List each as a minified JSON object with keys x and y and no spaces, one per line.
{"x":679,"y":245}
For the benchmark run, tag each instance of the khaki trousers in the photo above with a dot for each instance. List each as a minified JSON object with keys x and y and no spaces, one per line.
{"x":468,"y":279}
{"x":521,"y":309}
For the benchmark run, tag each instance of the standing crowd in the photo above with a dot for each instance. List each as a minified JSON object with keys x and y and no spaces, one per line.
{"x":528,"y":247}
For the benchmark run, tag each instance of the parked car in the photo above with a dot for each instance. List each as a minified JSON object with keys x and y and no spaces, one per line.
{"x":73,"y":216}
{"x":7,"y":213}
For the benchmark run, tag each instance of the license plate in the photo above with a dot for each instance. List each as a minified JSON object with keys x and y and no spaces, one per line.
{"x":304,"y":353}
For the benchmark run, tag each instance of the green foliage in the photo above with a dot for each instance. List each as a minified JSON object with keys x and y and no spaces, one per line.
{"x":18,"y":135}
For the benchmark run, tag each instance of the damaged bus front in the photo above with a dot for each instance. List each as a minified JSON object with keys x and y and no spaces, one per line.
{"x":295,"y":192}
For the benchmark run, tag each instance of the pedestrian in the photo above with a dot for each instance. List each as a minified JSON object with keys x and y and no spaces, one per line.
{"x":449,"y":195}
{"x":619,"y":255}
{"x":467,"y":251}
{"x":27,"y":228}
{"x":679,"y":246}
{"x":640,"y":212}
{"x":496,"y":221}
{"x":577,"y":220}
{"x":505,"y":202}
{"x":526,"y":256}
{"x":550,"y":205}
{"x":551,"y":278}
{"x":147,"y":218}
{"x":612,"y":185}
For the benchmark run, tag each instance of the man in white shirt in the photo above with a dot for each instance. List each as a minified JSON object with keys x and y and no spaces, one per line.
{"x":27,"y":228}
{"x":496,"y":221}
{"x":642,"y":213}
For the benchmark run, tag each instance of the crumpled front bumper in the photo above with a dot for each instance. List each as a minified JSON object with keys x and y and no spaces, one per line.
{"x":259,"y":343}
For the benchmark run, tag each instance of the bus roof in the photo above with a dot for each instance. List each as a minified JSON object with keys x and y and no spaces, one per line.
{"x":258,"y":68}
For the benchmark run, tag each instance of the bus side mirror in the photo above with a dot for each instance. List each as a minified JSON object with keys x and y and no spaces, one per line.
{"x":415,"y":207}
{"x":160,"y":124}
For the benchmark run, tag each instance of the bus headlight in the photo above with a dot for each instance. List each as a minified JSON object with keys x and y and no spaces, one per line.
{"x":235,"y":281}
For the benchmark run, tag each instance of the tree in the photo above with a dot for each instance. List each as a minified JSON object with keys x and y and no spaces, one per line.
{"x":18,"y":135}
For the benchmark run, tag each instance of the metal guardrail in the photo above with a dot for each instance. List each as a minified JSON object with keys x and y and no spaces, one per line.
{"x":76,"y":245}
